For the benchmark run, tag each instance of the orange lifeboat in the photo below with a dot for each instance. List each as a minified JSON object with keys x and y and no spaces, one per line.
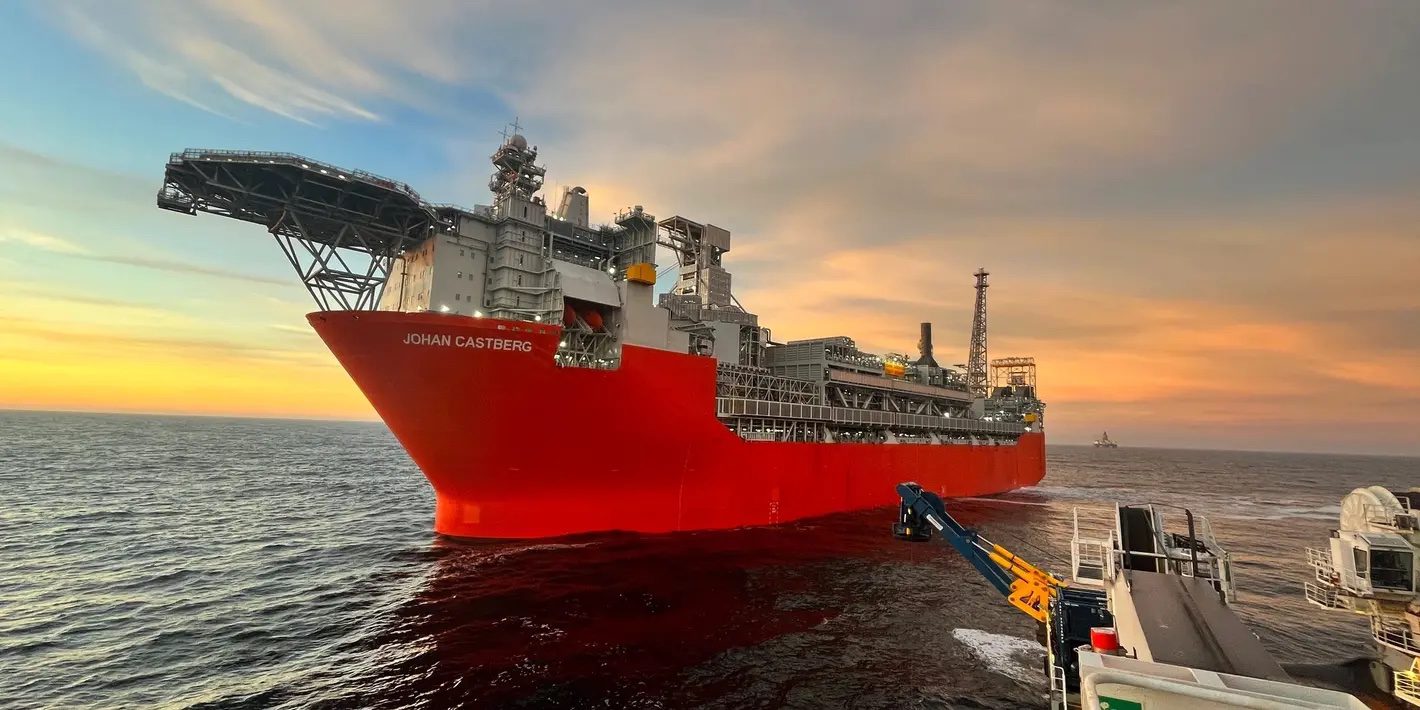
{"x":593,"y":318}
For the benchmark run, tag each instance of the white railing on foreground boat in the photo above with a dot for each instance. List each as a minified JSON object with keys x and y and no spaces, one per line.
{"x":1406,"y":686}
{"x":1092,"y":555}
{"x":1096,"y":556}
{"x":1091,"y":560}
{"x":1320,"y":561}
{"x":1322,"y":595}
{"x":1354,"y":584}
{"x":1399,"y":638}
{"x":1385,"y":516}
{"x":1216,"y":569}
{"x":1058,"y":690}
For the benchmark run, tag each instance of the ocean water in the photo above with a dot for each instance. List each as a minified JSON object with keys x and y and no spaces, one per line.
{"x":227,"y":563}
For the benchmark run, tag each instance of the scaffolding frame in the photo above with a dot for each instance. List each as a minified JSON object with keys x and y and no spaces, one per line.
{"x":1013,"y":372}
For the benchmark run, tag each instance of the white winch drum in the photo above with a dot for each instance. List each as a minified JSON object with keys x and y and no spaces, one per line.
{"x":1363,"y":504}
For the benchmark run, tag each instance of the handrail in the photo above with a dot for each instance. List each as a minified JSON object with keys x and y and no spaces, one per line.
{"x":477,"y":210}
{"x":1398,"y":637}
{"x":1406,"y":683}
{"x":292,"y":158}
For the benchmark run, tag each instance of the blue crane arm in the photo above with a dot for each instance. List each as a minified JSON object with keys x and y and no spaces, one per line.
{"x":921,"y":508}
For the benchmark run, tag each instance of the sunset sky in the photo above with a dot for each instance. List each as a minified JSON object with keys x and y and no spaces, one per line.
{"x":1202,"y":219}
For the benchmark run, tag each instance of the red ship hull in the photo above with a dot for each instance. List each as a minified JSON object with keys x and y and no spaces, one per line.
{"x":518,"y":447}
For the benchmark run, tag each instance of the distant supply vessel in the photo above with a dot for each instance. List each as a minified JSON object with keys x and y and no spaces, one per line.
{"x":1104,"y":443}
{"x":517,"y":355}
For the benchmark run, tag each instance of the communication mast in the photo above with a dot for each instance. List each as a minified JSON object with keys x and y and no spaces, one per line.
{"x":516,"y":172}
{"x":976,"y":381}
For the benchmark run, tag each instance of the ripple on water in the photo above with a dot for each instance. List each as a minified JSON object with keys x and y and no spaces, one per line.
{"x":218,"y":563}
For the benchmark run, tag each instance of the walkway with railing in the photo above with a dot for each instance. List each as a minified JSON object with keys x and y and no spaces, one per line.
{"x":1396,"y":636}
{"x":273,"y":158}
{"x":1407,"y":685}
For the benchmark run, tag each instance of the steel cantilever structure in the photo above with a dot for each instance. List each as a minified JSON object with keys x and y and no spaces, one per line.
{"x":341,"y":229}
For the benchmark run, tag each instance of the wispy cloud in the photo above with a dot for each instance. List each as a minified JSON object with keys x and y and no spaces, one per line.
{"x":306,"y":61}
{"x":67,"y":247}
{"x":180,"y":267}
{"x":53,"y":294}
{"x":165,"y":77}
{"x":198,"y":70}
{"x":41,"y":241}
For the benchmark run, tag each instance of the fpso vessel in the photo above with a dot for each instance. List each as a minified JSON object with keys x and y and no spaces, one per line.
{"x":519,"y":357}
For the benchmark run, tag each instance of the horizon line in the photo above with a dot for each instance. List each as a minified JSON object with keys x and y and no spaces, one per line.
{"x":376,"y":420}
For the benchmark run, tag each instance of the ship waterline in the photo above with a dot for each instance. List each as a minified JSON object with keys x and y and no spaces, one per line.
{"x":516,"y":446}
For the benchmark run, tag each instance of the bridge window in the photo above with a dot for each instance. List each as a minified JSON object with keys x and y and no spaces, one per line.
{"x":1392,"y":569}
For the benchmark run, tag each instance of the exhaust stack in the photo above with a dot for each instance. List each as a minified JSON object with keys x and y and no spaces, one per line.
{"x":924,"y":346}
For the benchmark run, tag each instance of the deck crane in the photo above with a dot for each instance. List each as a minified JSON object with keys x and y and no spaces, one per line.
{"x":1024,"y":585}
{"x":1142,"y":621}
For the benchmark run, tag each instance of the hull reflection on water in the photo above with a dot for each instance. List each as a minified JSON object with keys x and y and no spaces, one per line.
{"x":670,"y":620}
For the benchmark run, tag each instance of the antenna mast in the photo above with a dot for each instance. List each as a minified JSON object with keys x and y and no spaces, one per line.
{"x":516,"y":172}
{"x":976,"y":359}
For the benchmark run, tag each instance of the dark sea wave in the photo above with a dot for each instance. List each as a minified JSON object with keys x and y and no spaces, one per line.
{"x":226,"y":563}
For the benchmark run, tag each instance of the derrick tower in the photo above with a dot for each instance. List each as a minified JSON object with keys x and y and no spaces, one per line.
{"x":976,"y":381}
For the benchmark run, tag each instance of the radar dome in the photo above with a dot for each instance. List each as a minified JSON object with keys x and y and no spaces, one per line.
{"x":518,"y":141}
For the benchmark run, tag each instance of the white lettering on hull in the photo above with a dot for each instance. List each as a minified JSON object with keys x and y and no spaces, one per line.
{"x":445,"y":340}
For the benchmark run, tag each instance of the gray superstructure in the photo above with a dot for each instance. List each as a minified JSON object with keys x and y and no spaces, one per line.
{"x":361,"y":241}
